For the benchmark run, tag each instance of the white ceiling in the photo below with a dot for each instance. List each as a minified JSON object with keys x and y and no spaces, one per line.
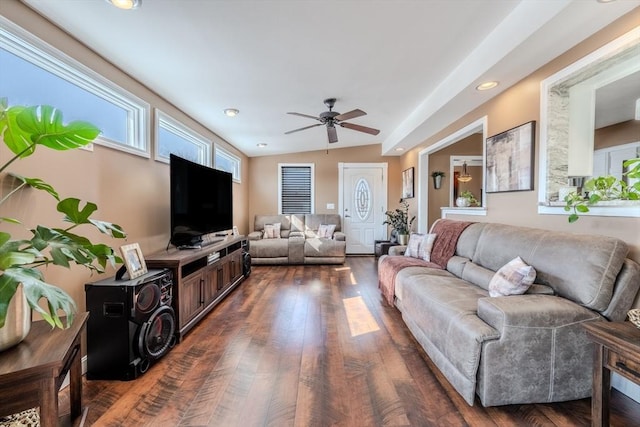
{"x":411,"y":65}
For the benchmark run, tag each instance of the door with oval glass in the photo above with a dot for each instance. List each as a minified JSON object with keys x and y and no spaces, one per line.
{"x":363,"y":202}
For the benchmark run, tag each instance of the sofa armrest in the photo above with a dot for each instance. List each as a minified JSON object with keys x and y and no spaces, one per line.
{"x":340,"y":236}
{"x":255,"y":235}
{"x":532,"y":311}
{"x":397,"y":250}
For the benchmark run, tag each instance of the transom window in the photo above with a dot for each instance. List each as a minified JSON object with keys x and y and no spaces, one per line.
{"x":228,"y":162}
{"x":173,"y":137}
{"x":295,"y":188}
{"x":35,"y":73}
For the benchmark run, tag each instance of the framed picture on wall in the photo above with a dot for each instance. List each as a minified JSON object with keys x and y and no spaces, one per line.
{"x":510,"y":159}
{"x":407,"y":183}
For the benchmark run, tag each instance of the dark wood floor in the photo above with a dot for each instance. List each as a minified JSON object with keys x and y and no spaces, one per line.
{"x":310,"y":346}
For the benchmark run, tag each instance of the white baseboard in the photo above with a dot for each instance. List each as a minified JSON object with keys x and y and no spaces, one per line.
{"x":626,"y":387}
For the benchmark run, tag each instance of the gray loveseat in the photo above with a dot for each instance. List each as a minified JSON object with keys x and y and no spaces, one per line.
{"x":298,"y":242}
{"x":519,"y":348}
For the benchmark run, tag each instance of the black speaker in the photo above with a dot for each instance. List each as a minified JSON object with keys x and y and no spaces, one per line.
{"x":246,"y":258}
{"x":246,"y":264}
{"x":131,"y":325}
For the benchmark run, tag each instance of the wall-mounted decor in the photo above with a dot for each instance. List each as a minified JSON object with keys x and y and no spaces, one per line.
{"x":133,"y":259}
{"x":407,"y":183}
{"x":510,"y":159}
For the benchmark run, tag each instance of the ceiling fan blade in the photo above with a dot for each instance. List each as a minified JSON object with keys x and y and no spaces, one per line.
{"x":360,"y":128}
{"x":332,"y":134}
{"x":306,"y":127}
{"x":350,"y":115}
{"x":305,"y":115}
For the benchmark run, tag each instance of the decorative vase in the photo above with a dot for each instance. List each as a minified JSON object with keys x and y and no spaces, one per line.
{"x":437,"y":182}
{"x":462,"y":202}
{"x":403,"y":239}
{"x":17,"y":323}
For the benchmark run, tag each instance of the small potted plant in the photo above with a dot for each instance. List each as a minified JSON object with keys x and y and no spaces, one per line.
{"x":399,"y":220}
{"x":437,"y":179}
{"x":466,"y":199}
{"x":603,"y":189}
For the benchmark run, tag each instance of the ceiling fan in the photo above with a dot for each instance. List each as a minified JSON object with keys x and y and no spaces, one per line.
{"x":332,"y":118}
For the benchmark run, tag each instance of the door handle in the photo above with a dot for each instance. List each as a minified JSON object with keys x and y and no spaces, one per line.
{"x":347,"y":216}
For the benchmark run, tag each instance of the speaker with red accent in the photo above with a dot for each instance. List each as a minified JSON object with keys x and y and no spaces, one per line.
{"x":131,"y":325}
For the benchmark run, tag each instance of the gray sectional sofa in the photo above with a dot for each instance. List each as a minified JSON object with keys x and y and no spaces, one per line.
{"x":298,"y":242}
{"x":518,"y":348}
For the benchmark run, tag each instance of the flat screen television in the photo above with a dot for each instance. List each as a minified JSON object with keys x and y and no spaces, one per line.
{"x":201,"y":202}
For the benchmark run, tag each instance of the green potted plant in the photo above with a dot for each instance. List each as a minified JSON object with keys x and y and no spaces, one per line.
{"x":23,"y":130}
{"x":604,"y":188}
{"x":399,"y":220}
{"x":437,"y":179}
{"x":466,"y":199}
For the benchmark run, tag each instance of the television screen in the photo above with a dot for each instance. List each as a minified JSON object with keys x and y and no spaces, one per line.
{"x":201,"y":201}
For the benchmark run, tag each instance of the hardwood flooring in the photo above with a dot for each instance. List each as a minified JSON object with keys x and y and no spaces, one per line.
{"x":310,"y":346}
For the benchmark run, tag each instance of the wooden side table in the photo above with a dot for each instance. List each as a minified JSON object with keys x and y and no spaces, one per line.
{"x":32,"y":372}
{"x":617,"y":349}
{"x":382,"y":247}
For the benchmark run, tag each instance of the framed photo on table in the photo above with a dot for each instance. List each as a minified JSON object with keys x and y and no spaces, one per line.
{"x":133,"y":259}
{"x":407,"y":183}
{"x":510,"y":159}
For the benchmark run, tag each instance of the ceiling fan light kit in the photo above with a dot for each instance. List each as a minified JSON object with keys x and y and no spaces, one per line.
{"x":332,"y":118}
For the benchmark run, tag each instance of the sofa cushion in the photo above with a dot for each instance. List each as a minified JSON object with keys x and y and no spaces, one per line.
{"x":284,"y":220}
{"x":514,"y":278}
{"x":315,"y":247}
{"x":581,"y":268}
{"x":269,"y":248}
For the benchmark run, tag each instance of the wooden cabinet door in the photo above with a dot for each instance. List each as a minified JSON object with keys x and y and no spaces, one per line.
{"x":236,"y":265}
{"x":191,"y":298}
{"x":211,"y":285}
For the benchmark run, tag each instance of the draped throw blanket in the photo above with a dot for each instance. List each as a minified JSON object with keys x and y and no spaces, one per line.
{"x":447,"y":232}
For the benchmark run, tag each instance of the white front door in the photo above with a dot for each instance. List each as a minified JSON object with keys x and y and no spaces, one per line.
{"x":363,"y":202}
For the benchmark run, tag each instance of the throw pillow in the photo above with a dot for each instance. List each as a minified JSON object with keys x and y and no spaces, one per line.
{"x":427,"y":245}
{"x":414,"y":245}
{"x":325,"y":231}
{"x":514,"y":278}
{"x":272,"y":231}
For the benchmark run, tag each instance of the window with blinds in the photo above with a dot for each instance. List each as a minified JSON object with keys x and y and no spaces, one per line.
{"x":295,"y":188}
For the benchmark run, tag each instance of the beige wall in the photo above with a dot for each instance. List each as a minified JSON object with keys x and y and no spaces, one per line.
{"x":263,"y":178}
{"x":520,"y":104}
{"x":618,"y":134}
{"x":129,"y":190}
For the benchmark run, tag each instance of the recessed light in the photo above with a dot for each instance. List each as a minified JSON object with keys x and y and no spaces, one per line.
{"x":487,"y":85}
{"x":231,"y":112}
{"x":399,"y":149}
{"x":261,"y":145}
{"x":605,"y":1}
{"x":126,"y":4}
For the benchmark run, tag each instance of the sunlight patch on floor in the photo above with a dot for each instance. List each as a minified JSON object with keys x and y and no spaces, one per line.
{"x":359,"y":317}
{"x":352,"y":278}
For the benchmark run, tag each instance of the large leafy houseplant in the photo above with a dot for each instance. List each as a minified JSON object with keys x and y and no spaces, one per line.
{"x":604,"y":188}
{"x":399,"y":220}
{"x":23,"y":129}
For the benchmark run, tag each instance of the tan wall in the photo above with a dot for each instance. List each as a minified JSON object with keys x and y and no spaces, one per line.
{"x":618,"y":134}
{"x":129,"y":190}
{"x":520,"y":104}
{"x":263,"y":179}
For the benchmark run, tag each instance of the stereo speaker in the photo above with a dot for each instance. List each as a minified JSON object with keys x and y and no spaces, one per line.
{"x":246,"y":264}
{"x":131,"y":325}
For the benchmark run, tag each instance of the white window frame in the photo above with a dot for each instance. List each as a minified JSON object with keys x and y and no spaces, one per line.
{"x":237,"y":162}
{"x":313,"y":183}
{"x":30,"y":48}
{"x":176,"y":127}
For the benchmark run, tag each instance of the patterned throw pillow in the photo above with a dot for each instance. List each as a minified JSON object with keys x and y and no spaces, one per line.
{"x":325,"y":231}
{"x":414,"y":245}
{"x":514,"y":278}
{"x":427,"y":245}
{"x":272,"y":231}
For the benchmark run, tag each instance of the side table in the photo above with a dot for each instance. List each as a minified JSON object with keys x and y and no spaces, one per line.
{"x":382,"y":247}
{"x":617,"y":349}
{"x":32,"y":372}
